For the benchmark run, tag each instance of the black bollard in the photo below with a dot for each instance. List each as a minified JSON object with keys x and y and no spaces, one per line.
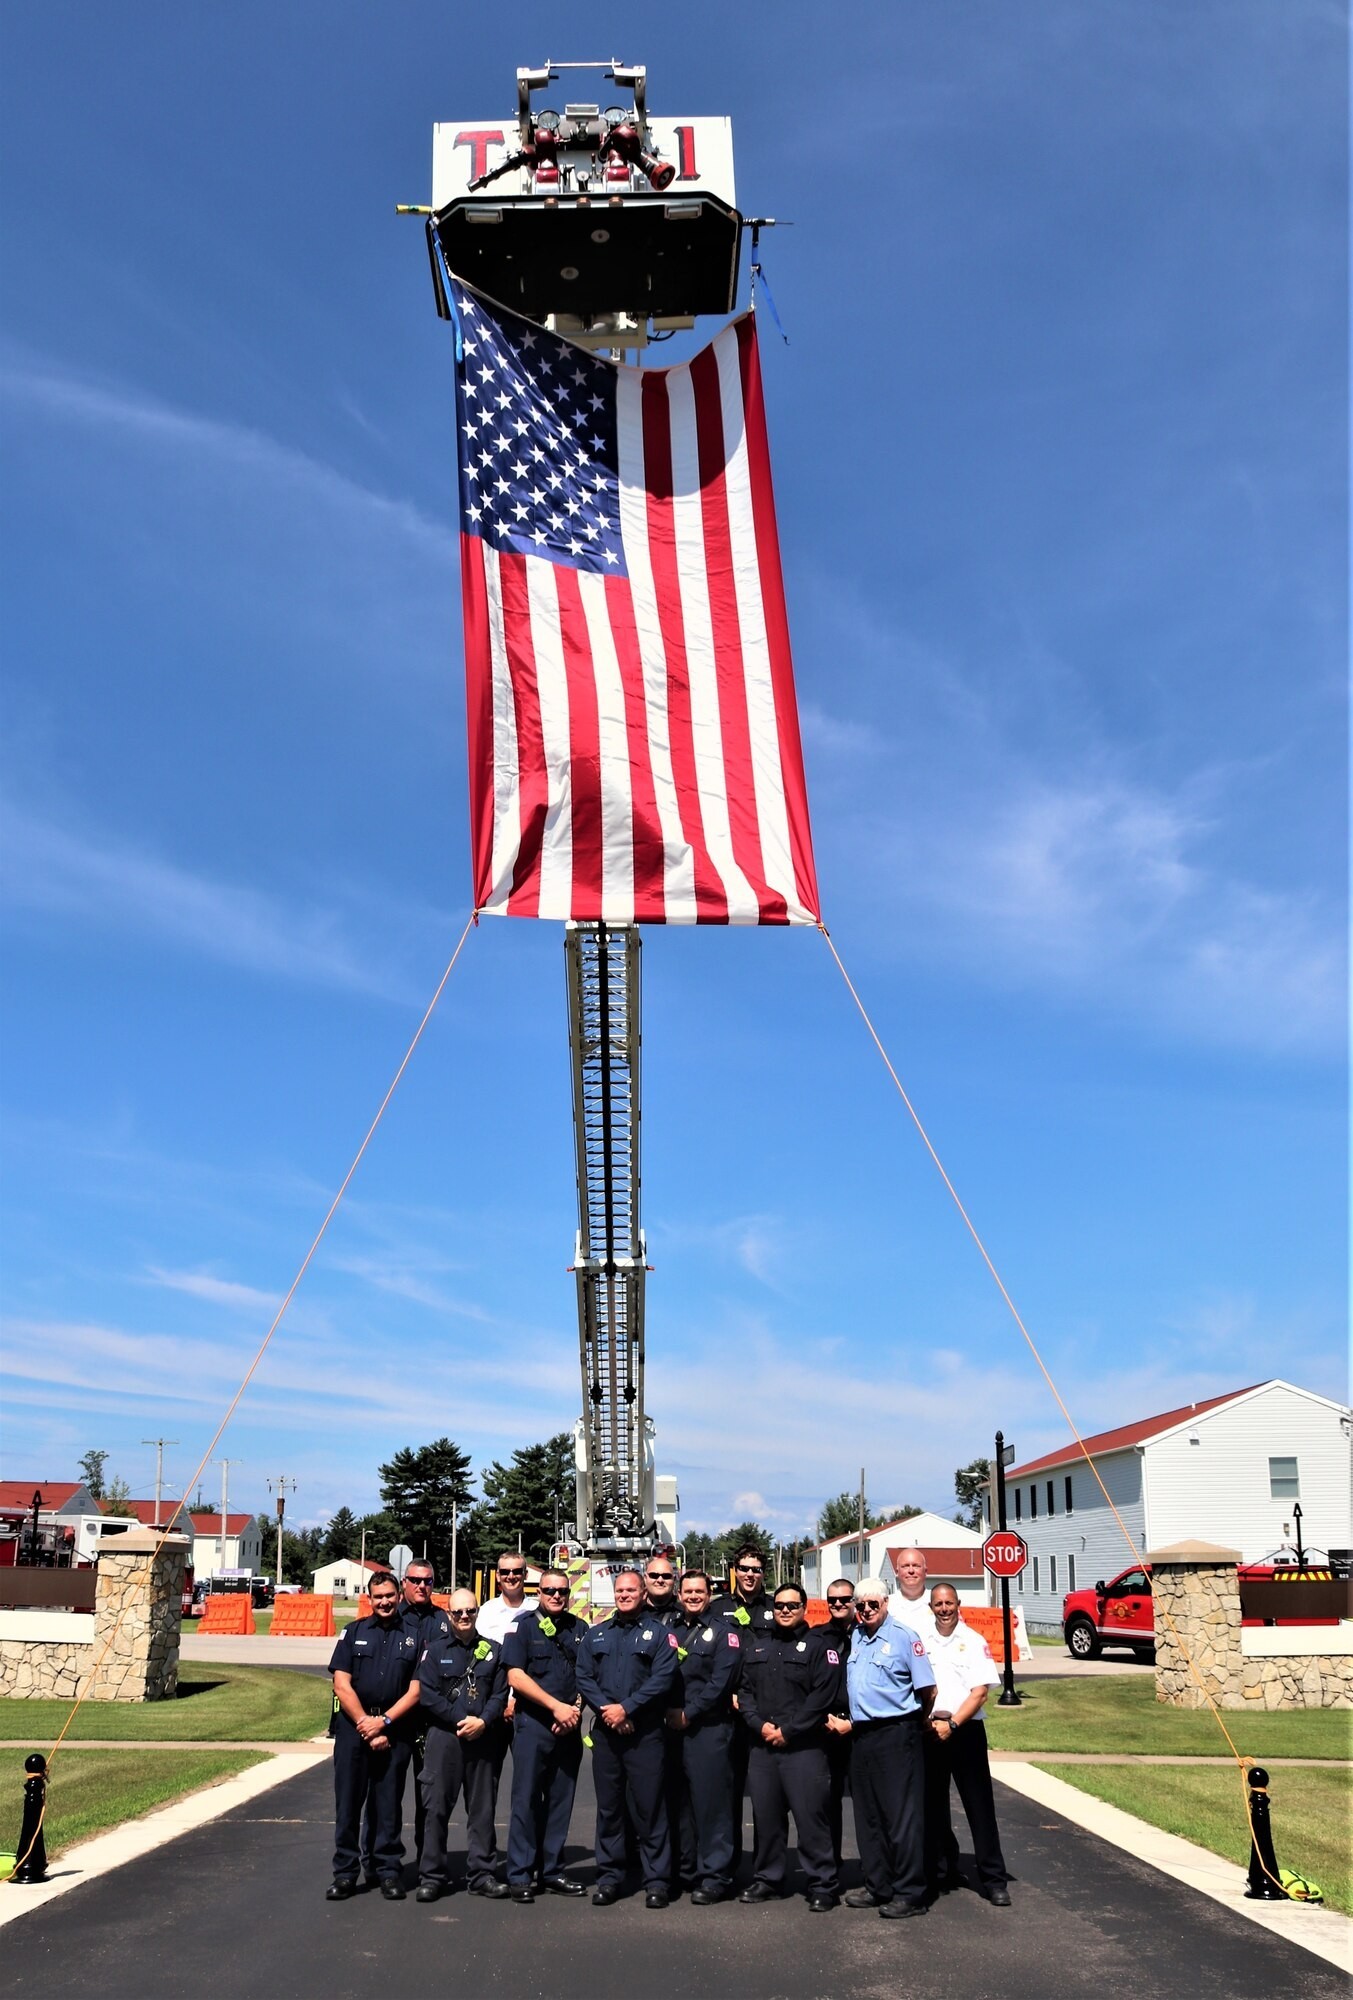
{"x":1263,"y":1885}
{"x":32,"y":1865}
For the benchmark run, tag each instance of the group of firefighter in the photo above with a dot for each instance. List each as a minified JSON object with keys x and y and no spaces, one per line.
{"x":688,"y":1703}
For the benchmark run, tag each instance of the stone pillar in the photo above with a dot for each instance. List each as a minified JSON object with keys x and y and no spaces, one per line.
{"x":136,"y":1616}
{"x":1197,"y":1602}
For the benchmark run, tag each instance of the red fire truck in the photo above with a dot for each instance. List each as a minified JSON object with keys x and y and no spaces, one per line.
{"x":1276,"y":1592}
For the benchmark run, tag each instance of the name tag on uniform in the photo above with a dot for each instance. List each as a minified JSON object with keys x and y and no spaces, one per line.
{"x":361,"y":1642}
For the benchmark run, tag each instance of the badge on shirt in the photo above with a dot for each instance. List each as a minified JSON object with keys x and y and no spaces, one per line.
{"x":648,"y":1635}
{"x":835,"y":1658}
{"x":918,"y":1649}
{"x":734,"y":1640}
{"x":802,"y":1646}
{"x":708,"y":1633}
{"x":885,"y":1645}
{"x":672,"y":1640}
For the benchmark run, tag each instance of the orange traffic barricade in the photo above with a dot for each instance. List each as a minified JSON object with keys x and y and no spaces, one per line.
{"x":303,"y":1615}
{"x":228,"y":1614}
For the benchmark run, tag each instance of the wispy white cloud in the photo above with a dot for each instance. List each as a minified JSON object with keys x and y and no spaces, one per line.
{"x":150,"y":422}
{"x":215,"y":1291}
{"x":75,"y":872}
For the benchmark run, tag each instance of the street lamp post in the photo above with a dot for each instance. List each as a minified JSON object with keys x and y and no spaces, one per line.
{"x":1008,"y":1698}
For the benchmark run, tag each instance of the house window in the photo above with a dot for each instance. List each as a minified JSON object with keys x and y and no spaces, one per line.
{"x":1070,"y":1506}
{"x":1033,"y":1508}
{"x":1035,"y":1576}
{"x":1070,"y":1568}
{"x":1052,"y":1574}
{"x":1282,"y":1479}
{"x":1051,"y":1509}
{"x":1019,"y":1504}
{"x":1019,"y":1583}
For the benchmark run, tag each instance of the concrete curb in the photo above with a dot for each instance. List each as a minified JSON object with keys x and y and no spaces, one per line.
{"x":107,"y":1851}
{"x":1326,"y":1933}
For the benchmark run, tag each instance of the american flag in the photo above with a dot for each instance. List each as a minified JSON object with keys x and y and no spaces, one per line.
{"x":634,"y":739}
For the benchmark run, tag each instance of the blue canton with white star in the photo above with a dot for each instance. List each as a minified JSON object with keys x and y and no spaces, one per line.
{"x":539,"y":467}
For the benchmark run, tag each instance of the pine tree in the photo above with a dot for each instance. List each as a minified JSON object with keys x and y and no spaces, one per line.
{"x":533,"y":1498}
{"x":342,"y":1537}
{"x":422,"y":1489}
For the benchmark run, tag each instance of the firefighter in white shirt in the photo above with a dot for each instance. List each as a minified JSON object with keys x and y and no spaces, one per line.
{"x":909,"y":1604}
{"x":956,"y":1747}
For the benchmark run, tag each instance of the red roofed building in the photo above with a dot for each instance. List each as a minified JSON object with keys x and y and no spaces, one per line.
{"x":59,"y":1496}
{"x":1225,"y":1470}
{"x":952,"y":1552}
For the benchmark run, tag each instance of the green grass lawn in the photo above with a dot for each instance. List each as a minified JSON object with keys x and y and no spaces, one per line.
{"x":1119,"y":1712}
{"x":215,"y":1704}
{"x":91,"y":1792}
{"x":1312,"y":1813}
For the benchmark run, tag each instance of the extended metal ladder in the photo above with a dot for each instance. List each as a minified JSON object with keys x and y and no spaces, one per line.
{"x":615,"y":1458}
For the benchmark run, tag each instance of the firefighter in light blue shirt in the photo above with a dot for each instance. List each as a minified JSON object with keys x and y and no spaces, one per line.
{"x":891,"y":1687}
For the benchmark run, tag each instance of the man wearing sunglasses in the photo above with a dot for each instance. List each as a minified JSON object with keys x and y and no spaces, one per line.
{"x":660,"y":1589}
{"x":462,"y":1690}
{"x":747,"y":1609}
{"x":426,"y":1621}
{"x":789,"y":1686}
{"x":541,"y":1657}
{"x":836,"y":1636}
{"x":500,"y":1614}
{"x":892,"y":1688}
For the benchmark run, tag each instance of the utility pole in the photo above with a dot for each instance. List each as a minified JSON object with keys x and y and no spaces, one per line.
{"x":159,"y":1444}
{"x":455,"y":1524}
{"x":282,"y":1483}
{"x":225,"y":1465}
{"x":859,"y":1574}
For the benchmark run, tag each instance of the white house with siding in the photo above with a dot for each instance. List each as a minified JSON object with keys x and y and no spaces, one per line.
{"x":953,"y":1555}
{"x":1226,"y":1471}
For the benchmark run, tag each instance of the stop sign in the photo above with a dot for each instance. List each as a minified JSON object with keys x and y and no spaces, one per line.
{"x":1004,"y":1552}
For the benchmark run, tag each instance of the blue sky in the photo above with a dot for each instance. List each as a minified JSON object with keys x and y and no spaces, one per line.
{"x":1060,"y":451}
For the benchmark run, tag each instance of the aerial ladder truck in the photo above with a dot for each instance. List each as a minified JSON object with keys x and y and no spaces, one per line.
{"x":614,"y":230}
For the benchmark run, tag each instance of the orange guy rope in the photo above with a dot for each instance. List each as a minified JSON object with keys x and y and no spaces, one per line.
{"x":277,"y":1321}
{"x":1187,"y":1657}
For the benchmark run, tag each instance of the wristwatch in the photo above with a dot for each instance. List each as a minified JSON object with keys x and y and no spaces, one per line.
{"x":386,"y":1722}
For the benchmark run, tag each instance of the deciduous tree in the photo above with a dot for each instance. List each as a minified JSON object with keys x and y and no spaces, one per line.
{"x":969,"y":1482}
{"x":91,"y":1471}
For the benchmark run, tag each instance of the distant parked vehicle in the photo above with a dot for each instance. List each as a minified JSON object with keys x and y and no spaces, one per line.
{"x":198,"y":1602}
{"x":1118,"y":1613}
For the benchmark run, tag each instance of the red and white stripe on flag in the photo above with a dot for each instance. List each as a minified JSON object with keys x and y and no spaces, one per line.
{"x":634,"y":738}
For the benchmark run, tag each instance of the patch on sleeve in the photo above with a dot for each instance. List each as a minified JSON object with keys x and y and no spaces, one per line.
{"x":734,"y":1640}
{"x":672,"y":1640}
{"x":834,"y":1658}
{"x":918,"y":1649}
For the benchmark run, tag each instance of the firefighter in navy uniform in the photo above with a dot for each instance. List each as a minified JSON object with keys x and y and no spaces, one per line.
{"x":661,"y":1602}
{"x":627,"y":1675}
{"x":426,"y":1621}
{"x":541,"y":1654}
{"x":748,"y":1609}
{"x":789,"y":1687}
{"x":462,"y":1692}
{"x":373,"y":1665}
{"x":836,"y":1636}
{"x":701,"y":1724}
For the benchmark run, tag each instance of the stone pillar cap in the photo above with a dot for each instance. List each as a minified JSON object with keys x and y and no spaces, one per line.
{"x":1192,"y":1552}
{"x":143,"y":1542}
